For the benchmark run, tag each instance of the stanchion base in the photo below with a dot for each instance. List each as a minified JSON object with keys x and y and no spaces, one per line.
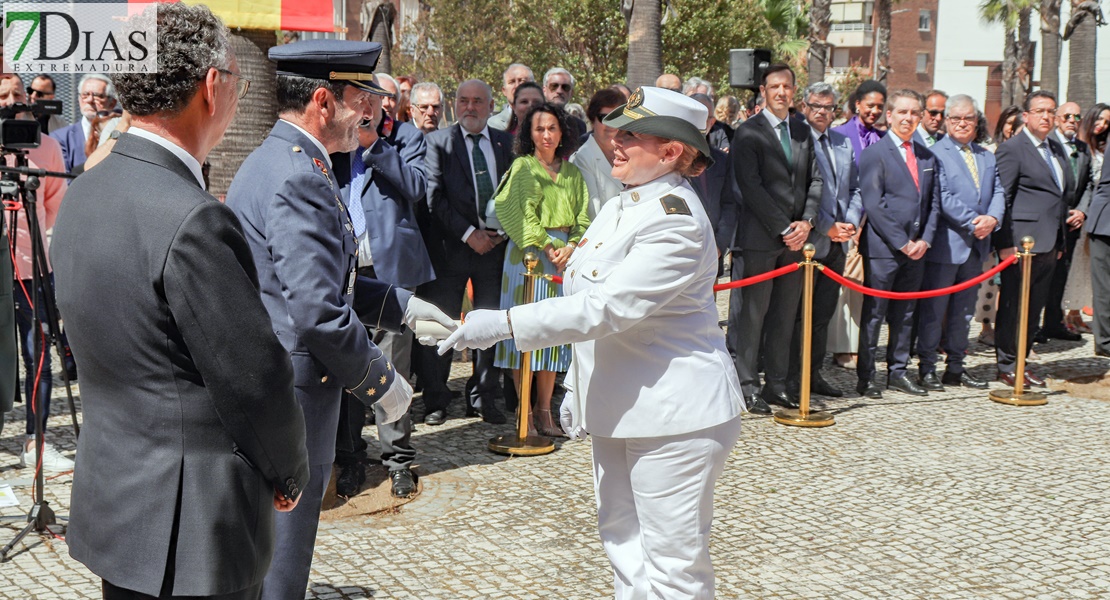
{"x":533,"y":445}
{"x":1023,"y":399}
{"x":794,"y":418}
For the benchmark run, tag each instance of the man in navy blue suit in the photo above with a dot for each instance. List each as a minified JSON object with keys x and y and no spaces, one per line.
{"x":900,"y":193}
{"x":384,"y":177}
{"x":838,"y":219}
{"x":971,"y":209}
{"x":97,"y":94}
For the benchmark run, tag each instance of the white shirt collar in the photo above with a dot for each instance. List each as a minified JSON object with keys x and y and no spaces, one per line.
{"x":925,"y":134}
{"x":311,"y":137}
{"x":1063,"y":138}
{"x":656,"y":188}
{"x":817,"y":134}
{"x":189,"y":160}
{"x":484,"y":132}
{"x":772,"y":119}
{"x":1033,"y":138}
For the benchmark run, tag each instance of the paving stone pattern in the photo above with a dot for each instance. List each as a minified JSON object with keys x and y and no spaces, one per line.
{"x":950,"y":496}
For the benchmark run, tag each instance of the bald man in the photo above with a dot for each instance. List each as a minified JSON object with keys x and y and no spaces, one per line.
{"x":671,"y":82}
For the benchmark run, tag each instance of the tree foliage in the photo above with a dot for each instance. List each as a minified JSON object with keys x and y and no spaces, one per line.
{"x":462,"y":39}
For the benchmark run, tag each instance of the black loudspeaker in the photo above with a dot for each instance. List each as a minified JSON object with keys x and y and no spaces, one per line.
{"x":745,"y":67}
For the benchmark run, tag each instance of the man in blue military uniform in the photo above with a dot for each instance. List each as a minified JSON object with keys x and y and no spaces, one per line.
{"x":305,"y":250}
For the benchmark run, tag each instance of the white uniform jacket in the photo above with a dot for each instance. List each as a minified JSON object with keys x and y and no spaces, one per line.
{"x":649,"y":357}
{"x":597,"y":172}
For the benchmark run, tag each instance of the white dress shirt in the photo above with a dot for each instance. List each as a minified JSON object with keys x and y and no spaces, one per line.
{"x":190,"y":161}
{"x":486,"y":146}
{"x":1055,"y":161}
{"x":311,"y":137}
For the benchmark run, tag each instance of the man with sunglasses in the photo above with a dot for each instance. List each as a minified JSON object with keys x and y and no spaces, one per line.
{"x":558,"y":89}
{"x":930,"y":131}
{"x":42,"y":88}
{"x":97,"y":94}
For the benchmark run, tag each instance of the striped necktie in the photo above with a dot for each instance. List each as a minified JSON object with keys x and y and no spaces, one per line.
{"x":969,"y":158}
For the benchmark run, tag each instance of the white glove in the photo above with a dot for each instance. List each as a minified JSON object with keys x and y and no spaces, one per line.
{"x":395,"y":402}
{"x":422,"y":310}
{"x":481,"y":329}
{"x":566,"y":418}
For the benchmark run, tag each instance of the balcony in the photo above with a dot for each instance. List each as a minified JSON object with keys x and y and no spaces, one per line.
{"x":851,"y":35}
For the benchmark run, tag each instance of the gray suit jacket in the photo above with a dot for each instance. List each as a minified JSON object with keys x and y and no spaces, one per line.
{"x":190,"y":417}
{"x":840,"y":196}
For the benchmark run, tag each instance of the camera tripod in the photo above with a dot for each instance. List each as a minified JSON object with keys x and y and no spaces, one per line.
{"x":18,"y":191}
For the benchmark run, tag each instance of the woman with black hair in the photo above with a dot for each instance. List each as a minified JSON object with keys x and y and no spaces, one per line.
{"x":542,"y":205}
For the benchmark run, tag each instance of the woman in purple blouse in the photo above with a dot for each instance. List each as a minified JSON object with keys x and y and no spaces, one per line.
{"x":870,"y":100}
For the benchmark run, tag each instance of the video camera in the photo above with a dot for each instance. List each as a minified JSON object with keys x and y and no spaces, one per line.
{"x":24,"y":134}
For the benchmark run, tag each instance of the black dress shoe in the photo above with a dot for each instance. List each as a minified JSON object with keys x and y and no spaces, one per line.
{"x":779,"y":399}
{"x":905,"y":385}
{"x":493,"y":416}
{"x":436,"y":417}
{"x":471,"y":411}
{"x":757,"y":406}
{"x":1040,"y":338}
{"x":963,"y":379}
{"x":819,"y":386}
{"x":1063,"y":334}
{"x":869,"y":389}
{"x":350,"y":480}
{"x":402,"y":483}
{"x":931,"y":383}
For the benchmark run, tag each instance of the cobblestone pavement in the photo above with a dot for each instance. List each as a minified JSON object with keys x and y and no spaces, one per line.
{"x":950,"y":496}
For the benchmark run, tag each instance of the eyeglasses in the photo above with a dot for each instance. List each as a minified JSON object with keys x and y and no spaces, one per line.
{"x":1042,"y":112}
{"x":566,"y":87}
{"x":243,"y":84}
{"x":820,"y":107}
{"x":935,"y":113}
{"x":87,"y":95}
{"x":33,"y":92}
{"x":1071,"y":116}
{"x":427,"y":107}
{"x":972,"y":120}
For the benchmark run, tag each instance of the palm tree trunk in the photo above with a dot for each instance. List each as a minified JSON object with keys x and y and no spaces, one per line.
{"x":1081,"y":56}
{"x":819,"y":23}
{"x":1050,"y":45}
{"x":882,"y":40}
{"x":645,"y":54}
{"x":257,"y":112}
{"x":381,"y":31}
{"x":1009,"y":70}
{"x":1026,"y":49}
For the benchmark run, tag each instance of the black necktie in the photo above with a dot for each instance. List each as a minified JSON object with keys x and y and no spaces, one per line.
{"x":481,"y":175}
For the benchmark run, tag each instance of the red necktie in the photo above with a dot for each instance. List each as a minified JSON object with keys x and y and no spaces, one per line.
{"x":911,"y":163}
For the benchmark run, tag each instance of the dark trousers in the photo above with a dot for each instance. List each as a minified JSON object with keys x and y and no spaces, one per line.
{"x":446,"y":292}
{"x":1009,"y":298}
{"x":111,"y":592}
{"x":1100,"y":282}
{"x":826,"y":292}
{"x":948,"y":316}
{"x":899,"y":274}
{"x":24,"y":320}
{"x":294,"y":540}
{"x":767,"y":312}
{"x":1053,"y":308}
{"x":735,"y":302}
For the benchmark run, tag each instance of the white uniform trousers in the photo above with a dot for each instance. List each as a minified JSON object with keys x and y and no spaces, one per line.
{"x":655,"y":507}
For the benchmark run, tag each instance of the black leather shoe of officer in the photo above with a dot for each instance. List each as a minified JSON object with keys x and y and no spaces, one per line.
{"x":869,"y":389}
{"x":757,"y":406}
{"x":1040,"y":337}
{"x":1062,"y":334}
{"x":493,"y":416}
{"x":350,"y":480}
{"x":782,"y":399}
{"x":963,"y":379}
{"x":402,"y":483}
{"x":905,"y":385}
{"x":931,"y":383}
{"x":436,"y":417}
{"x":824,"y":388}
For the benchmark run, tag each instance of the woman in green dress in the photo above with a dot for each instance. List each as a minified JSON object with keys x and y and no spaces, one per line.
{"x":542,"y":205}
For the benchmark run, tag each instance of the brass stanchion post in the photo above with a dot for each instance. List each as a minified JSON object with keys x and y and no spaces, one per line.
{"x":523,"y":444}
{"x":801,"y":417}
{"x":1018,"y":396}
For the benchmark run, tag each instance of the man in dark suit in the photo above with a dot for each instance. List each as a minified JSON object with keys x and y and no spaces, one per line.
{"x":1079,"y":162}
{"x":464,"y":164}
{"x":900,"y":193}
{"x":932,"y":119}
{"x":716,"y":186}
{"x":302,"y":238}
{"x":1037,"y":182}
{"x":191,"y":424}
{"x":971,"y":207}
{"x":96,"y":95}
{"x":776,"y":169}
{"x":837,"y":221}
{"x":382,"y":182}
{"x":1098,"y":230}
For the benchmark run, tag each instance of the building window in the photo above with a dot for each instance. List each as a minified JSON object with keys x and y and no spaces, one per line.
{"x":924,"y":21}
{"x":922,"y":62}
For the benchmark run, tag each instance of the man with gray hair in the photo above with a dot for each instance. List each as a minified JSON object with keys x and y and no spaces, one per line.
{"x":191,"y":422}
{"x":97,"y":97}
{"x":838,"y":218}
{"x":972,"y":204}
{"x":513,"y":76}
{"x":697,"y":85}
{"x":426,"y":108}
{"x":558,"y":89}
{"x":392,"y":97}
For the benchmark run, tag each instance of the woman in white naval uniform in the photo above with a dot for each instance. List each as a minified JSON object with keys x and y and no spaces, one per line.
{"x":653,"y":383}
